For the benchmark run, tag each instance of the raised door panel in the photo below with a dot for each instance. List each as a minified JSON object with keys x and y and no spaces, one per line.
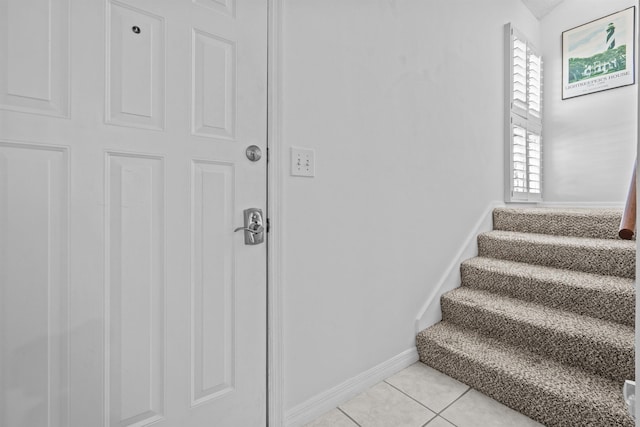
{"x":135,"y":67}
{"x":34,"y":45}
{"x":213,"y":281}
{"x":224,"y":6}
{"x":34,"y":286}
{"x":214,"y":86}
{"x":134,"y":304}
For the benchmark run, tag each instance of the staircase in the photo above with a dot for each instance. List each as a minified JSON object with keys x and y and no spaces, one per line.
{"x":544,"y":319}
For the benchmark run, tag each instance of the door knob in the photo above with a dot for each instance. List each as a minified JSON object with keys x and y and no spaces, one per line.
{"x":253,"y":153}
{"x":253,"y":227}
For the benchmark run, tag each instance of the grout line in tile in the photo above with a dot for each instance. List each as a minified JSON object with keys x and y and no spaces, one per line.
{"x":437,"y":414}
{"x":425,"y":424}
{"x":449,"y":421}
{"x":348,"y":416}
{"x":411,"y":397}
{"x":449,"y":405}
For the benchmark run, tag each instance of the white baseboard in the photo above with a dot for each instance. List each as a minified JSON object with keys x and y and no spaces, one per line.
{"x":430,"y":314}
{"x":332,"y":398}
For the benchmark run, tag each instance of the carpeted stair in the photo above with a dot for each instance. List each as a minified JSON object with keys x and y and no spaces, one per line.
{"x":544,"y":319}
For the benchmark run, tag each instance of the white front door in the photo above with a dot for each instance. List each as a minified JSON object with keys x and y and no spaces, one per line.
{"x":125,"y":297}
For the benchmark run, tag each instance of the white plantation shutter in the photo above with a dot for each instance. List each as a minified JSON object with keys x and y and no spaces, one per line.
{"x":519,"y":77}
{"x":524,"y":116}
{"x":525,"y":160}
{"x":534,"y":85}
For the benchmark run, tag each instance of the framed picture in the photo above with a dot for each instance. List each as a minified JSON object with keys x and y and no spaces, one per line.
{"x":599,"y":55}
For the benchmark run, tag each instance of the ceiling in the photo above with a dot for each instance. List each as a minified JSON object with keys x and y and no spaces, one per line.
{"x":541,"y":7}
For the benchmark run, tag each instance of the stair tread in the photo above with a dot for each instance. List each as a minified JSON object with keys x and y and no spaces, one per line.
{"x":600,"y":256}
{"x":570,"y":241}
{"x":606,"y":297}
{"x":591,"y":222}
{"x":546,"y":372}
{"x":549,"y":318}
{"x":536,"y":386}
{"x":622,"y":286}
{"x":596,"y":345}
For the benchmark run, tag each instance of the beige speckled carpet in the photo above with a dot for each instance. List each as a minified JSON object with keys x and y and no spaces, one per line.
{"x":544,"y":319}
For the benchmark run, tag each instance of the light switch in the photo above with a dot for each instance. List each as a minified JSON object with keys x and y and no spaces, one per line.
{"x":302,"y":162}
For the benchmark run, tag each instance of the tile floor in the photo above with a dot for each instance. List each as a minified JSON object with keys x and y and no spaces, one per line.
{"x":420,"y":396}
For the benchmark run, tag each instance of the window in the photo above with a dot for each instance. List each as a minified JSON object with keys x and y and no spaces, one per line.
{"x":524,"y":118}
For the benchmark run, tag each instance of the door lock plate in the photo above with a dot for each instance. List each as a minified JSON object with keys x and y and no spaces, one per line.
{"x":254,"y":226}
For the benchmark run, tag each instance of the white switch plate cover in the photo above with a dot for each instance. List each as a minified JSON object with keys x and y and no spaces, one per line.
{"x":303,"y":162}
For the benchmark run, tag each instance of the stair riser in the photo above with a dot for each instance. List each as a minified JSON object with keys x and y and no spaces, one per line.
{"x":535,"y":402}
{"x":610,"y":261}
{"x":602,"y":226}
{"x":606,"y":359}
{"x":589,"y":302}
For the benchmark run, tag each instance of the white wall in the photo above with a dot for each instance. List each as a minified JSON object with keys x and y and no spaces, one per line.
{"x":403,"y":102}
{"x":590,"y":141}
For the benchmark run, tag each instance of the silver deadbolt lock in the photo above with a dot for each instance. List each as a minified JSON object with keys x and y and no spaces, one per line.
{"x":254,"y":153}
{"x":253,"y":227}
